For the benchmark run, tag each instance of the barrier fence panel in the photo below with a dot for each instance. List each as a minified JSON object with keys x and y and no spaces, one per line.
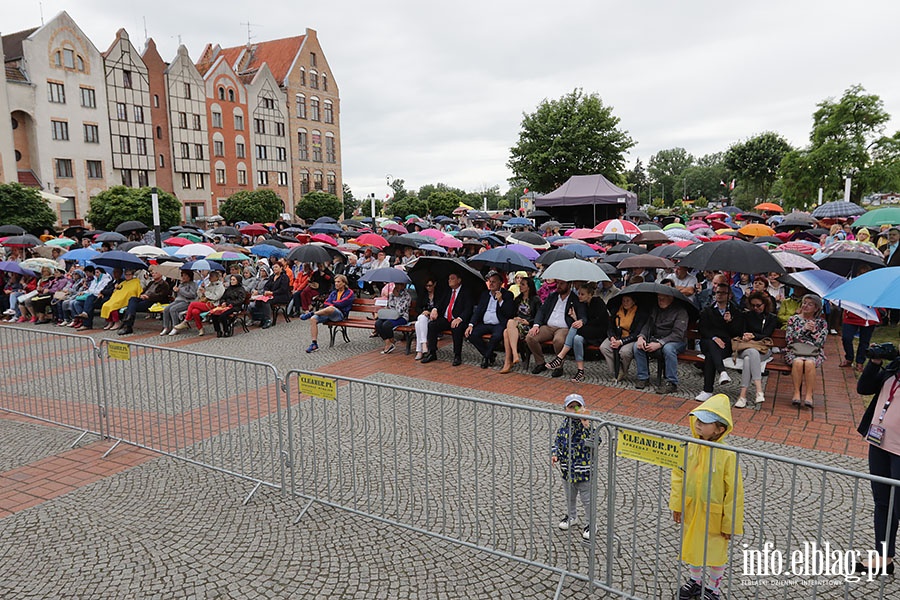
{"x":53,"y":377}
{"x":223,"y":413}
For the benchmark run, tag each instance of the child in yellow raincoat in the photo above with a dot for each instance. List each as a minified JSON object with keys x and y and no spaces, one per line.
{"x":710,"y":494}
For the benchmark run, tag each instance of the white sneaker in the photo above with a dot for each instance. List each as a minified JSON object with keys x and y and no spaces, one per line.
{"x":741,"y":403}
{"x":164,"y":332}
{"x":9,"y":311}
{"x":566,"y":522}
{"x":703,"y":396}
{"x":173,"y":332}
{"x":724,"y":377}
{"x":760,"y":397}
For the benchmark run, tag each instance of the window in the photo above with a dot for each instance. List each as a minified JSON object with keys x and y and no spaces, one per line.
{"x":198,"y":152}
{"x":91,"y":133}
{"x":80,"y":62}
{"x":239,"y":150}
{"x":126,"y":79}
{"x":282,"y":178}
{"x":268,"y":103}
{"x":124,"y":144}
{"x":197,"y":124}
{"x":316,"y":146}
{"x":220,"y":176}
{"x":162,"y":161}
{"x":314,"y":80}
{"x":259,"y":126}
{"x":261,"y":152}
{"x":238,"y":122}
{"x":221,"y":93}
{"x":88,"y":98}
{"x":140,"y":145}
{"x":217,"y":120}
{"x":57,"y":92}
{"x":57,"y":58}
{"x":187,"y":91}
{"x":60,"y":130}
{"x":63,"y":167}
{"x":262,"y":178}
{"x":127,"y":178}
{"x":325,"y":82}
{"x":231,"y":95}
{"x":242,"y":177}
{"x":301,"y":106}
{"x":317,"y":181}
{"x":182,"y":120}
{"x":200,"y":180}
{"x":138,"y":114}
{"x":121,"y":111}
{"x":279,"y":129}
{"x":302,"y":76}
{"x":94,"y":169}
{"x":186,"y":181}
{"x":280,"y":154}
{"x":67,"y":210}
{"x":185,"y":151}
{"x":304,"y":183}
{"x":330,"y":154}
{"x":314,"y":109}
{"x":332,"y":183}
{"x":68,"y":58}
{"x":155,"y":100}
{"x":312,"y":59}
{"x":329,"y":112}
{"x":302,"y":145}
{"x":143,"y":178}
{"x":158,"y":132}
{"x":218,"y":148}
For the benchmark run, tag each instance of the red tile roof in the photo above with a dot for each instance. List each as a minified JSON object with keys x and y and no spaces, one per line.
{"x":27,"y":178}
{"x":278,"y":54}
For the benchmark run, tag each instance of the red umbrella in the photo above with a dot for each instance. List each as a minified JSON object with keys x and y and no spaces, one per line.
{"x":617,"y":226}
{"x":449,"y":242}
{"x":372,"y":239}
{"x":717,"y":224}
{"x":255,"y":229}
{"x":177,"y":241}
{"x":326,"y":239}
{"x":396,"y":228}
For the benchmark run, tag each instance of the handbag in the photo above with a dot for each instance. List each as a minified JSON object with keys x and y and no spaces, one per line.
{"x":82,"y":297}
{"x":804,"y":349}
{"x":60,"y":295}
{"x":762,"y":346}
{"x":389,"y":314}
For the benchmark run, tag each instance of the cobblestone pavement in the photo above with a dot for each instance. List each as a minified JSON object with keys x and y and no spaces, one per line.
{"x":170,"y":529}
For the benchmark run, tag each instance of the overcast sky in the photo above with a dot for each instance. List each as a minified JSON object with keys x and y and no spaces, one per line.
{"x":434,"y":92}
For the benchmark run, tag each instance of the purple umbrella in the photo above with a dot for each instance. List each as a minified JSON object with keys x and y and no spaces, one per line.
{"x":11,"y":266}
{"x":527,"y":252}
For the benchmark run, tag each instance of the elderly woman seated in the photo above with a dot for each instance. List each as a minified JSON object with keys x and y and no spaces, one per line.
{"x":124,"y":291}
{"x":805,"y":335}
{"x":337,"y":307}
{"x":185,"y":293}
{"x":395,"y":314}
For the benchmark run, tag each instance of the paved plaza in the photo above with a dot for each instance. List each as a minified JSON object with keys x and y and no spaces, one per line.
{"x":137,"y":524}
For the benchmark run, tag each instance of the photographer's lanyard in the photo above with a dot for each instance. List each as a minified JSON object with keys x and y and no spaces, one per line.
{"x":890,"y":398}
{"x":876,"y":432}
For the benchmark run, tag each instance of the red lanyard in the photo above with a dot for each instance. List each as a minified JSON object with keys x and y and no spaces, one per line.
{"x":887,"y":403}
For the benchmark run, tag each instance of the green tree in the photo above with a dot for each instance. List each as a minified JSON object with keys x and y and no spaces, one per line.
{"x":666,"y":169}
{"x":350,"y":203}
{"x":319,"y":204}
{"x":118,"y":204}
{"x":755,"y":161}
{"x":23,"y":206}
{"x":439,"y":199}
{"x":574,"y":135}
{"x":257,"y":206}
{"x":636,"y":181}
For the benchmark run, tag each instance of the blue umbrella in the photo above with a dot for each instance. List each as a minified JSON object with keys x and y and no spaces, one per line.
{"x":433,"y":248}
{"x":838,"y":209}
{"x":202,"y":265}
{"x":119,"y":260}
{"x":519,"y":222}
{"x":503,"y":259}
{"x":268,"y":251}
{"x":325,"y":220}
{"x":879,"y":288}
{"x":582,"y":250}
{"x":386,"y":275}
{"x":11,"y":266}
{"x":328,"y":228}
{"x":822,"y":283}
{"x":81,"y":255}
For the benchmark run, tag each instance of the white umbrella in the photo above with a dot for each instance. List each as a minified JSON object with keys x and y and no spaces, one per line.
{"x":790,"y":260}
{"x":574,"y":269}
{"x":52,"y":197}
{"x":149,"y":251}
{"x":194,"y":250}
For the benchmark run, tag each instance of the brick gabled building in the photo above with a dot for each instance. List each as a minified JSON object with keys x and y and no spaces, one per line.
{"x":159,"y":116}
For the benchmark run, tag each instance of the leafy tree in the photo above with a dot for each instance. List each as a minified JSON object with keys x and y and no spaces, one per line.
{"x":118,"y":204}
{"x":439,"y":199}
{"x":575,"y":135}
{"x":257,"y":206}
{"x":23,"y":206}
{"x":636,"y":180}
{"x":319,"y":204}
{"x":350,"y":203}
{"x":755,"y":162}
{"x":666,"y":169}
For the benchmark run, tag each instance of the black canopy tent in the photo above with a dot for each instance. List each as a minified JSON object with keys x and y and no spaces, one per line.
{"x":577,"y":200}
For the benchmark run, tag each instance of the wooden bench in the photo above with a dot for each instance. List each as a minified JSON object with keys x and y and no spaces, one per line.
{"x":776,"y":363}
{"x":369,"y":308}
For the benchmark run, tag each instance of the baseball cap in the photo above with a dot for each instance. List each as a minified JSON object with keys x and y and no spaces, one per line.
{"x":707,"y":416}
{"x":574,"y":399}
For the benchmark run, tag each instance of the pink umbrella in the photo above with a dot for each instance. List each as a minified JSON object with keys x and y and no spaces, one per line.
{"x":696,"y":223}
{"x":617,"y":226}
{"x":395,"y":227}
{"x":177,"y":241}
{"x":292,"y":244}
{"x":801,"y":247}
{"x":372,"y":239}
{"x":449,"y":242}
{"x":324,"y":238}
{"x":432,"y":233}
{"x":583,"y":234}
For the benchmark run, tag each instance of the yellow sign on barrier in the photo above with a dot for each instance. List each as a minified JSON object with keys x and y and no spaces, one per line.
{"x":119,"y":351}
{"x":318,"y":387}
{"x":650,"y":449}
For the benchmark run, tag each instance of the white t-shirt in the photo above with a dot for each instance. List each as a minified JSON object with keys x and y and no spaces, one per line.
{"x":689,"y":281}
{"x":557,"y":318}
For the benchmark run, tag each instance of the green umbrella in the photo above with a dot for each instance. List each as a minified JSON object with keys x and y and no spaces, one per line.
{"x":64,"y":242}
{"x":879,"y":217}
{"x":192,"y":237}
{"x":674,"y":226}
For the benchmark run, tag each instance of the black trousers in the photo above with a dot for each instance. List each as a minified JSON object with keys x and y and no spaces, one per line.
{"x":713,"y":363}
{"x":441,"y":324}
{"x":885,"y":464}
{"x":486,"y":349}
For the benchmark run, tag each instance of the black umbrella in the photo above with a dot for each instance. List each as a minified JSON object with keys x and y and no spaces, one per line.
{"x":403,"y":240}
{"x":537,"y":214}
{"x":386,"y":275}
{"x":469,"y":233}
{"x":796,"y":221}
{"x":610,"y":270}
{"x":736,"y":256}
{"x":767,"y":239}
{"x":637,"y":214}
{"x":75,"y":231}
{"x":111,"y":236}
{"x":477,"y":215}
{"x":627,"y":249}
{"x":273,"y":242}
{"x":325,"y":220}
{"x":645,"y":294}
{"x":503,"y":259}
{"x":528,"y":238}
{"x":119,"y":260}
{"x":309,"y":253}
{"x":845,"y":263}
{"x":665,"y":251}
{"x":751,"y":217}
{"x":439,"y":268}
{"x":227,"y":231}
{"x":129,"y":226}
{"x":12,"y":230}
{"x":126,"y":246}
{"x":646,"y":261}
{"x":550,"y":225}
{"x":22,"y":241}
{"x":614,"y":238}
{"x":551,"y":256}
{"x":614,"y":259}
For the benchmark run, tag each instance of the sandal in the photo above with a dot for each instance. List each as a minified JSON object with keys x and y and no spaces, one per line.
{"x":844,"y":363}
{"x":555,"y":363}
{"x":808,"y":403}
{"x":795,"y":402}
{"x":579,"y":376}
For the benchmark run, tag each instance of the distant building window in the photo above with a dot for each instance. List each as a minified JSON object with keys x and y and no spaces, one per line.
{"x":231,"y":95}
{"x":302,"y":76}
{"x":304,"y":183}
{"x":186,"y":181}
{"x":332,"y":183}
{"x":60,"y":130}
{"x":155,"y":100}
{"x":314,"y":109}
{"x":182,"y":120}
{"x":57,"y":58}
{"x":138,"y":114}
{"x":197,"y":124}
{"x":63,"y":167}
{"x":316,"y":146}
{"x":124,"y":144}
{"x":330,"y":153}
{"x":268,"y":103}
{"x":240,"y":150}
{"x":68,"y":58}
{"x":217,"y":120}
{"x":279,"y":129}
{"x":121,"y":111}
{"x":280,"y":154}
{"x":200,"y":181}
{"x":162,"y":161}
{"x":317,"y":181}
{"x":301,"y":106}
{"x":218,"y":148}
{"x":314,"y":80}
{"x":80,"y":62}
{"x":127,"y":179}
{"x":141,"y":146}
{"x":126,"y":79}
{"x":329,"y":112}
{"x":185,"y":150}
{"x":221,"y":93}
{"x":88,"y":98}
{"x":282,"y":178}
{"x":312,"y":59}
{"x":94,"y":169}
{"x":187,"y":91}
{"x":262,"y":178}
{"x":158,"y":132}
{"x":259,"y":126}
{"x":143,"y":178}
{"x":238,"y":122}
{"x":91,"y":133}
{"x":261,"y":152}
{"x":198,"y":152}
{"x":324,"y":82}
{"x":302,"y":145}
{"x":220,"y":176}
{"x":56,"y":92}
{"x":242,"y":177}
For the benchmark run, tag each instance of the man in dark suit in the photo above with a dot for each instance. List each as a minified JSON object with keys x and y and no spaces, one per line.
{"x":494,"y":309}
{"x":453,"y":312}
{"x":892,"y":250}
{"x":552,"y":322}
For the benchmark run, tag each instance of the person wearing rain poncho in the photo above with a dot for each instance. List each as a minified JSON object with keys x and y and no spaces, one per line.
{"x":708,"y":497}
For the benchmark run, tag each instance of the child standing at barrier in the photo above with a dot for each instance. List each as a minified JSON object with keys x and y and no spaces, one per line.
{"x":710,"y":492}
{"x":572,"y":453}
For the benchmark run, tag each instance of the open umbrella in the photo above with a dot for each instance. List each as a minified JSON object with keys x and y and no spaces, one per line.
{"x":202,"y":265}
{"x":807,"y":248}
{"x":736,"y":256}
{"x":646,"y":261}
{"x":617,"y":226}
{"x":177,"y":241}
{"x":756,"y":230}
{"x":645,"y":294}
{"x":111,"y":236}
{"x":255,"y":229}
{"x":324,"y":238}
{"x":194,"y":250}
{"x":116,"y":259}
{"x":846,"y":263}
{"x":230,"y":231}
{"x":880,"y":288}
{"x":372,"y":239}
{"x":627,"y":249}
{"x":851,"y":246}
{"x":550,"y":225}
{"x":129,"y":226}
{"x":637,"y":214}
{"x":433,"y":248}
{"x":583,"y":234}
{"x":11,"y":266}
{"x":519,"y":222}
{"x":440,"y":268}
{"x":268,"y":251}
{"x":81,"y":255}
{"x":651,"y":237}
{"x":275,"y":243}
{"x":529,"y":253}
{"x":147,"y":251}
{"x":325,"y":219}
{"x":61,"y":242}
{"x":326,"y":228}
{"x":665,"y":251}
{"x":575,"y":269}
{"x":530,"y":239}
{"x":36,"y":264}
{"x":386,"y":275}
{"x":796,"y":220}
{"x":768,"y":207}
{"x":11,"y":230}
{"x":615,"y":238}
{"x":649,"y":227}
{"x":395,"y":228}
{"x":551,"y":256}
{"x":822,"y":283}
{"x":449,"y":242}
{"x":503,"y":259}
{"x":433,"y":233}
{"x":582,"y":251}
{"x":309,"y":253}
{"x":879,"y":217}
{"x":538,"y":214}
{"x":838,"y":210}
{"x":794,"y":260}
{"x":226,"y":256}
{"x":21,"y":241}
